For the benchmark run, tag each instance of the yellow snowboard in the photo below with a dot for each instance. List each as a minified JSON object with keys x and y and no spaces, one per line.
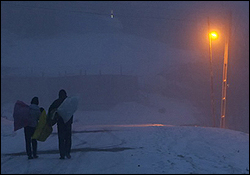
{"x":43,"y":129}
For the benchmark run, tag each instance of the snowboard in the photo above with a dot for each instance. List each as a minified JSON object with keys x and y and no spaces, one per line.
{"x":21,"y":115}
{"x":43,"y":129}
{"x":68,"y":108}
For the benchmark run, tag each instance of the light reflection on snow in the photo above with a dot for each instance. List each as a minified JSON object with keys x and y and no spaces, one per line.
{"x":130,"y":125}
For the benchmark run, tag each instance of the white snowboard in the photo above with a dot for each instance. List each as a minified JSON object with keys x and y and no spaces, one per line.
{"x":68,"y":108}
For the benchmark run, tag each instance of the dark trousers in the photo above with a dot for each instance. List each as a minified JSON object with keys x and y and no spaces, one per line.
{"x":28,"y":132}
{"x":64,"y":136}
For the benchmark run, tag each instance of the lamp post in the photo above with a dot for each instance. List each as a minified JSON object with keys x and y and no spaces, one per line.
{"x":212,"y":35}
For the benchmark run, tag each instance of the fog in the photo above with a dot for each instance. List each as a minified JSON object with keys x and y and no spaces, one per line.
{"x":163,"y":44}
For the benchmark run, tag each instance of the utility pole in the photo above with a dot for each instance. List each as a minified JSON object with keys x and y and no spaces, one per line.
{"x":224,"y":79}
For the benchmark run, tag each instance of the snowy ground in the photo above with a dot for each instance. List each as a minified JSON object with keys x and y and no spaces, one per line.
{"x":131,"y":138}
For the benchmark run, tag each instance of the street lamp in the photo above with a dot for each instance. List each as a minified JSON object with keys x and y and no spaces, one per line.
{"x":212,"y":35}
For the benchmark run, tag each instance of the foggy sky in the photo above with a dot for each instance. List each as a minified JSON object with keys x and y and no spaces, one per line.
{"x":175,"y":23}
{"x":178,"y":24}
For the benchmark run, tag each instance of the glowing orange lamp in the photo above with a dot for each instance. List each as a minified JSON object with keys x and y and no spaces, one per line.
{"x":213,"y":35}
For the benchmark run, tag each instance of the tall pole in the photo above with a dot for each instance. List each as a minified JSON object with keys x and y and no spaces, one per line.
{"x":224,"y":87}
{"x":224,"y":78}
{"x":211,"y":75}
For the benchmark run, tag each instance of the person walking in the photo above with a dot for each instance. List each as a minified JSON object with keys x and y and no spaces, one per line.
{"x":63,"y":129}
{"x":30,"y":129}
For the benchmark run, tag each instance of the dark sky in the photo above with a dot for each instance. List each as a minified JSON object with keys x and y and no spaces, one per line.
{"x":179,"y":23}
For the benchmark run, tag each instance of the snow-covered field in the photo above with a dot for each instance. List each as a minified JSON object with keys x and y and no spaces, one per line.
{"x":131,"y":138}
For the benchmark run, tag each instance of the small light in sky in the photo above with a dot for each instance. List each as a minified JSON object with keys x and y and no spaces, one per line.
{"x":112,"y":14}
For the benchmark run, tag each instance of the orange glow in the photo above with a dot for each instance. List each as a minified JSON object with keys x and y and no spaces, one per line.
{"x":129,"y":125}
{"x":213,"y":35}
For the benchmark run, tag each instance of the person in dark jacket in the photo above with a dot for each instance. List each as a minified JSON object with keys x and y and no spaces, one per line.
{"x":63,"y":129}
{"x":30,"y":129}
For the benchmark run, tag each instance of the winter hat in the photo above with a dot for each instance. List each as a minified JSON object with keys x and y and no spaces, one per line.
{"x":35,"y":100}
{"x":62,"y":93}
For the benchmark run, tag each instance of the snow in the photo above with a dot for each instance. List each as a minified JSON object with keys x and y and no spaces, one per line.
{"x":131,"y":138}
